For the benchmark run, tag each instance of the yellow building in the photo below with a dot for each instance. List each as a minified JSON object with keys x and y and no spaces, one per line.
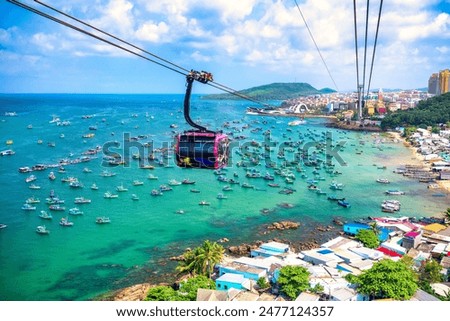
{"x":444,"y":76}
{"x":370,"y":107}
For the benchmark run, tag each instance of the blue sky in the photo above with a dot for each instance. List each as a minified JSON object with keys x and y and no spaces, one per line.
{"x":244,"y":43}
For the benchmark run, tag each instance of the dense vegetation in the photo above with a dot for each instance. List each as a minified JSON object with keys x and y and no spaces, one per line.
{"x":430,"y":112}
{"x":387,"y":279}
{"x":275,"y":91}
{"x":368,"y":237}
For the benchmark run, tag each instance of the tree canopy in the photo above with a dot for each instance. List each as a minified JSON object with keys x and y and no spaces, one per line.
{"x":387,"y":279}
{"x":293,"y":280}
{"x":430,"y":112}
{"x":202,"y":259}
{"x":368,"y":237}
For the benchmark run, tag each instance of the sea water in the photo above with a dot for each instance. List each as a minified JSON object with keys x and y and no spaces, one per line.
{"x":89,"y":259}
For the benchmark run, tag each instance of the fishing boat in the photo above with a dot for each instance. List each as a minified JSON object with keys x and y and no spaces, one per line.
{"x":56,"y":207}
{"x":220,"y":196}
{"x":152,"y":177}
{"x":7,"y":152}
{"x":273,"y":185}
{"x":2,"y":226}
{"x":335,"y":198}
{"x":30,"y":178}
{"x":193,"y":190}
{"x":180,"y":211}
{"x":187,"y":181}
{"x":204,"y":203}
{"x":165,"y":188}
{"x":344,"y":203}
{"x":110,"y":195}
{"x":28,"y":207}
{"x":156,"y":192}
{"x":34,"y":186}
{"x":134,"y":197}
{"x":81,"y":200}
{"x":51,"y":176}
{"x":336,"y":186}
{"x":394,"y":192}
{"x":41,"y":229}
{"x":102,"y":220}
{"x":227,"y":188}
{"x":45,"y":215}
{"x":65,"y":222}
{"x":138,"y":183}
{"x":247,"y":185}
{"x":383,"y":181}
{"x":32,"y":200}
{"x":94,"y":187}
{"x":174,"y":182}
{"x":121,"y":188}
{"x":75,"y":211}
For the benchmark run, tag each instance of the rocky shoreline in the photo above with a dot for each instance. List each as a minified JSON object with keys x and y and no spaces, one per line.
{"x":315,"y":237}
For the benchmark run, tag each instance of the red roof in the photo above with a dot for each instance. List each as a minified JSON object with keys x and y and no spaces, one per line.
{"x":388,"y":252}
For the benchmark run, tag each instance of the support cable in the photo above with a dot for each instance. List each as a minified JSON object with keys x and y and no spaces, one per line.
{"x":315,"y":44}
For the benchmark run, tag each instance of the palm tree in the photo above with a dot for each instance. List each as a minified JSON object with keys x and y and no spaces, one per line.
{"x":208,"y":255}
{"x":202,"y":259}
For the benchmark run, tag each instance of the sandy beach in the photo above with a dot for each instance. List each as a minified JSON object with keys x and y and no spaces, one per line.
{"x":418,"y":159}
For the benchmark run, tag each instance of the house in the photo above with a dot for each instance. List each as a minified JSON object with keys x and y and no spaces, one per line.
{"x":215,"y":295}
{"x":340,"y":243}
{"x":235,"y":281}
{"x":321,"y":256}
{"x":249,"y":272}
{"x":411,"y":240}
{"x":421,"y":295}
{"x":394,"y":245}
{"x":343,"y":294}
{"x":432,"y":228}
{"x":306,"y":296}
{"x":367,"y":253}
{"x":271,"y":249}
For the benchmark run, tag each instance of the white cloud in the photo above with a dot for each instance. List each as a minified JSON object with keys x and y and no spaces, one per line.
{"x":153,"y":32}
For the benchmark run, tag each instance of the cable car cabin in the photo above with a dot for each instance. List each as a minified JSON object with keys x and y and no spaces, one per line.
{"x":202,"y":149}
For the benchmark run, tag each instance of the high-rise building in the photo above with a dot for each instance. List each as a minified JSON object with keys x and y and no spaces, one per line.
{"x":444,"y":76}
{"x":433,"y":84}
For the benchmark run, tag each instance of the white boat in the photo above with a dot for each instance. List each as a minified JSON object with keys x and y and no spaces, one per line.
{"x":45,"y":215}
{"x":297,"y":122}
{"x":102,"y":220}
{"x":7,"y":152}
{"x":41,"y":229}
{"x":156,"y":192}
{"x":56,"y":207}
{"x":2,"y":226}
{"x":30,"y":178}
{"x":51,"y":176}
{"x":28,"y":207}
{"x":174,"y":182}
{"x":81,"y":200}
{"x":75,"y":211}
{"x":34,"y":186}
{"x":110,"y":195}
{"x":180,"y":211}
{"x":94,"y":187}
{"x":65,"y":222}
{"x":32,"y":200}
{"x":152,"y":177}
{"x":220,"y":196}
{"x":134,"y":197}
{"x":383,"y":181}
{"x":204,"y":203}
{"x":394,"y":192}
{"x":121,"y":188}
{"x":138,"y":183}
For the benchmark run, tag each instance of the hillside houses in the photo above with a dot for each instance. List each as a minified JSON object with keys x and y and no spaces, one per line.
{"x":328,"y":264}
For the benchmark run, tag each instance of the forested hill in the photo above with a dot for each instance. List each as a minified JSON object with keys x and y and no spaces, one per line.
{"x":275,"y":91}
{"x":430,"y":112}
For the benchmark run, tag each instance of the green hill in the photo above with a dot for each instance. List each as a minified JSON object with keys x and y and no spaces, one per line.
{"x":430,"y":112}
{"x":275,"y":91}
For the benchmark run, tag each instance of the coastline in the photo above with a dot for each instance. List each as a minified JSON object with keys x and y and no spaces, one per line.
{"x":419,"y":159}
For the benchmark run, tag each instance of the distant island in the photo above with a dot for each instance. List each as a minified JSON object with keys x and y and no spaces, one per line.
{"x":274,"y":91}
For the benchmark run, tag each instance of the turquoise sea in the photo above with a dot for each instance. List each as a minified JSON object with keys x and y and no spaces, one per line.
{"x":89,"y":259}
